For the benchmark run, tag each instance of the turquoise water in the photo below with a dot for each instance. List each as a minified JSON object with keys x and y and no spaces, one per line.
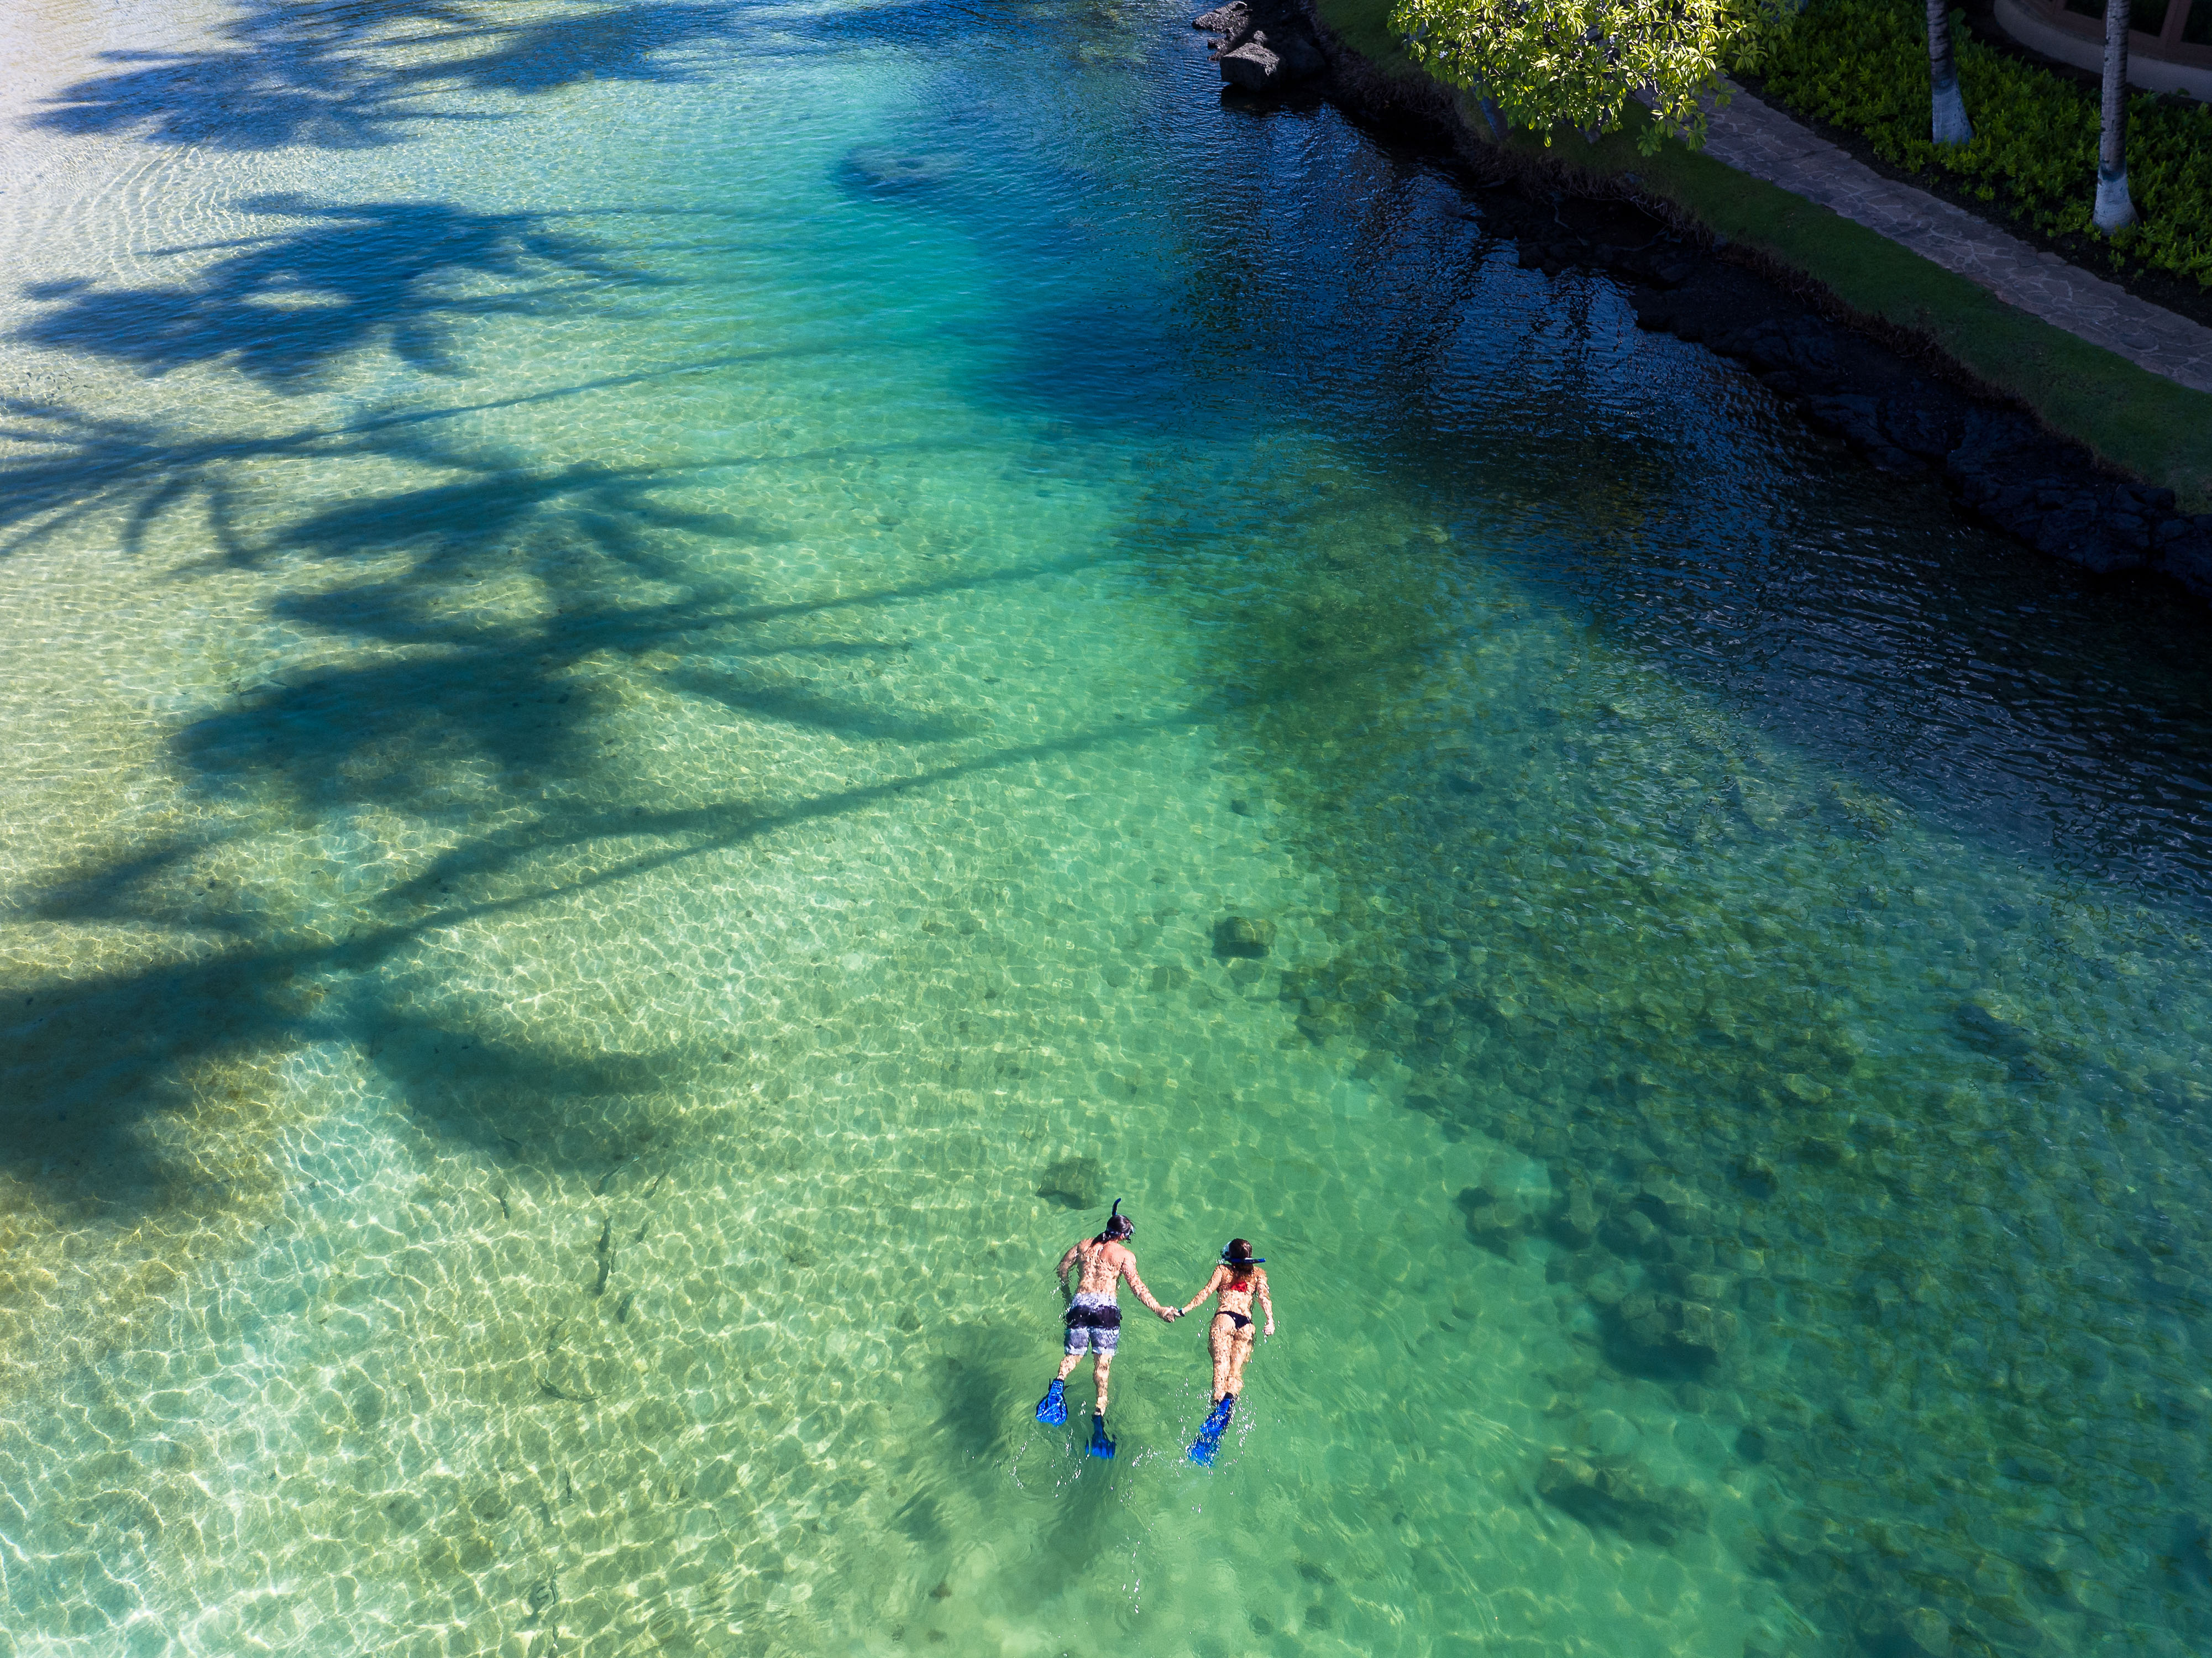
{"x":645,"y":644}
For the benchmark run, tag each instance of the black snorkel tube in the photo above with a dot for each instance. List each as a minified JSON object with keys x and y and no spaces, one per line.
{"x":1118,"y":1226}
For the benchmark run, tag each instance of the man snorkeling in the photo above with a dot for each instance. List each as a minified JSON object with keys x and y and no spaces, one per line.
{"x":1094,"y":1318}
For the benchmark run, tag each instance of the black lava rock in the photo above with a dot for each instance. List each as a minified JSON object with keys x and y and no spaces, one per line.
{"x":1263,"y":45}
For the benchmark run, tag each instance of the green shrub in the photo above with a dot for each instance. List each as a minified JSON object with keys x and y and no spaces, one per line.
{"x":1863,"y":65}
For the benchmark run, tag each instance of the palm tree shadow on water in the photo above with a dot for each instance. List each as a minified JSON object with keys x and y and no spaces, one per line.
{"x":280,"y":74}
{"x":489,"y":731}
{"x":284,"y":305}
{"x":493,"y":728}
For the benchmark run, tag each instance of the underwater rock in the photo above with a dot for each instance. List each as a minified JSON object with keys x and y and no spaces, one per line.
{"x":882,"y":171}
{"x":1708,"y":1287}
{"x":1988,"y":1032}
{"x":1434,"y":1025}
{"x":1653,"y":1332}
{"x":1238,"y":935}
{"x":1609,"y":1287}
{"x":1612,"y":1492}
{"x":1703,"y":1329}
{"x":1682,"y":1208}
{"x":1323,"y":1021}
{"x":1689,"y":1253}
{"x":1579,"y":1218}
{"x":1607,"y":1433}
{"x":1633,"y":1232}
{"x":1079,"y":1182}
{"x":1923,"y":1630}
{"x":1494,"y":1219}
{"x":1830,"y":1151}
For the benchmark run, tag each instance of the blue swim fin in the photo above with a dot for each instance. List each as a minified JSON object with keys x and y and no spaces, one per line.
{"x":1052,"y":1409}
{"x":1209,"y":1437}
{"x":1100,"y":1445}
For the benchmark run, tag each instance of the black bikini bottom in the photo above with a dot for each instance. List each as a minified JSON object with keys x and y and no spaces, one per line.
{"x":1241,"y":1321}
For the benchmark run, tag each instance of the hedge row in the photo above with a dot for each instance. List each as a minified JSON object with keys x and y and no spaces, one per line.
{"x":1863,"y":65}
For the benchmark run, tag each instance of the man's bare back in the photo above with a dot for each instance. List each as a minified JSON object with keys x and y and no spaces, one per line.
{"x":1104,"y":1265}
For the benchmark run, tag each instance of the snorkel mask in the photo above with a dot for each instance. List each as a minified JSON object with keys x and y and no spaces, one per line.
{"x":1118,"y":1225}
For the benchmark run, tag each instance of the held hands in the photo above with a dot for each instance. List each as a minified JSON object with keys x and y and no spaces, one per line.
{"x":1169,"y":1315}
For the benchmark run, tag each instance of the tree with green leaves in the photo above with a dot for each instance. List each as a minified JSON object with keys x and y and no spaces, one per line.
{"x":1546,"y":64}
{"x":2116,"y":209}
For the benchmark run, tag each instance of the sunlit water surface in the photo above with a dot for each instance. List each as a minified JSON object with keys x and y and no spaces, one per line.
{"x":644,"y":644}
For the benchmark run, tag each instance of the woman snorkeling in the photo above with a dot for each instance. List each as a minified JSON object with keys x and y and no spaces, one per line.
{"x":1239,"y":1281}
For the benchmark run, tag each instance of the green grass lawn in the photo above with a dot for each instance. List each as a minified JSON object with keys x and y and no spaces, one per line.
{"x":1365,"y":25}
{"x":2139,"y":421}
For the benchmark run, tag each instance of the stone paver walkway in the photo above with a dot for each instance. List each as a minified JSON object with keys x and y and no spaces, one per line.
{"x":1756,"y":138}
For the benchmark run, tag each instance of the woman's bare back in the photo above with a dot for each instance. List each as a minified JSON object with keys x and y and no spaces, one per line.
{"x":1237,"y":1297}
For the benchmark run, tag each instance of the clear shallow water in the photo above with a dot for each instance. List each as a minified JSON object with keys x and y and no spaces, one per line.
{"x":629,"y":718}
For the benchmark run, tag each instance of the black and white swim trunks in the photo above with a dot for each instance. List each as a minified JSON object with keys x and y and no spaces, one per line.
{"x":1094,"y":1325}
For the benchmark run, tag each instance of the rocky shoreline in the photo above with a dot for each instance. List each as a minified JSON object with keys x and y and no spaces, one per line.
{"x":1263,"y":48}
{"x":1890,"y":397}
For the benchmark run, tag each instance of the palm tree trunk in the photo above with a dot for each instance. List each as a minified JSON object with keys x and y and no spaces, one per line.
{"x":1950,"y":124}
{"x":2116,"y":211}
